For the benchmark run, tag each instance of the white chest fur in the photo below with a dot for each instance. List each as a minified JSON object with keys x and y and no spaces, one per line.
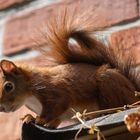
{"x":34,"y":104}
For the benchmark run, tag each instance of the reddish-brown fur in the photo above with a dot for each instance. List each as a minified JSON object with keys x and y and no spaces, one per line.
{"x":87,"y":74}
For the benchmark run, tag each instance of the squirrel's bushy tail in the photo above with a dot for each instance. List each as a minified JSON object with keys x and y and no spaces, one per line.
{"x":69,"y":35}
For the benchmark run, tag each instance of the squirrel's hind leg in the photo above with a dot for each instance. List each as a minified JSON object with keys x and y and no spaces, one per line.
{"x":114,"y":88}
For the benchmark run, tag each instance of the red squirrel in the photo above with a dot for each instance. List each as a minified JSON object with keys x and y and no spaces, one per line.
{"x":87,"y":75}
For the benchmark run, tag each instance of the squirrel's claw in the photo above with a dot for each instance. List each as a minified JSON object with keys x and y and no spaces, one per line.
{"x":27,"y":118}
{"x":38,"y":120}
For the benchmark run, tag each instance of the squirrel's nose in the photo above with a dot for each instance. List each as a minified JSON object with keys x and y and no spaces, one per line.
{"x":2,"y":109}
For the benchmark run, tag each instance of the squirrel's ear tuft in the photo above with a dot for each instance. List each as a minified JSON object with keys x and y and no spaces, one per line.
{"x":8,"y":67}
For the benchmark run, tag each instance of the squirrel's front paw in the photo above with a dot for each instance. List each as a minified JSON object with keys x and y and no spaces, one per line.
{"x":41,"y":121}
{"x":27,"y":118}
{"x":38,"y":120}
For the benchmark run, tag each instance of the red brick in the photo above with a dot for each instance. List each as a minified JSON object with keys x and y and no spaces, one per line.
{"x":4,"y":4}
{"x":20,"y":28}
{"x":10,"y":124}
{"x":128,"y":39}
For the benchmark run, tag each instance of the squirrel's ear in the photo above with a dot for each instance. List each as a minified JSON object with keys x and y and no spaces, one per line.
{"x":8,"y":67}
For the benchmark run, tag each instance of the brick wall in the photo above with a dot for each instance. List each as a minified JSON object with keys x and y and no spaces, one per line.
{"x":20,"y":18}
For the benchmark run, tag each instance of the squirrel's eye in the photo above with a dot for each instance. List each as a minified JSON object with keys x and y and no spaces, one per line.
{"x":8,"y":87}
